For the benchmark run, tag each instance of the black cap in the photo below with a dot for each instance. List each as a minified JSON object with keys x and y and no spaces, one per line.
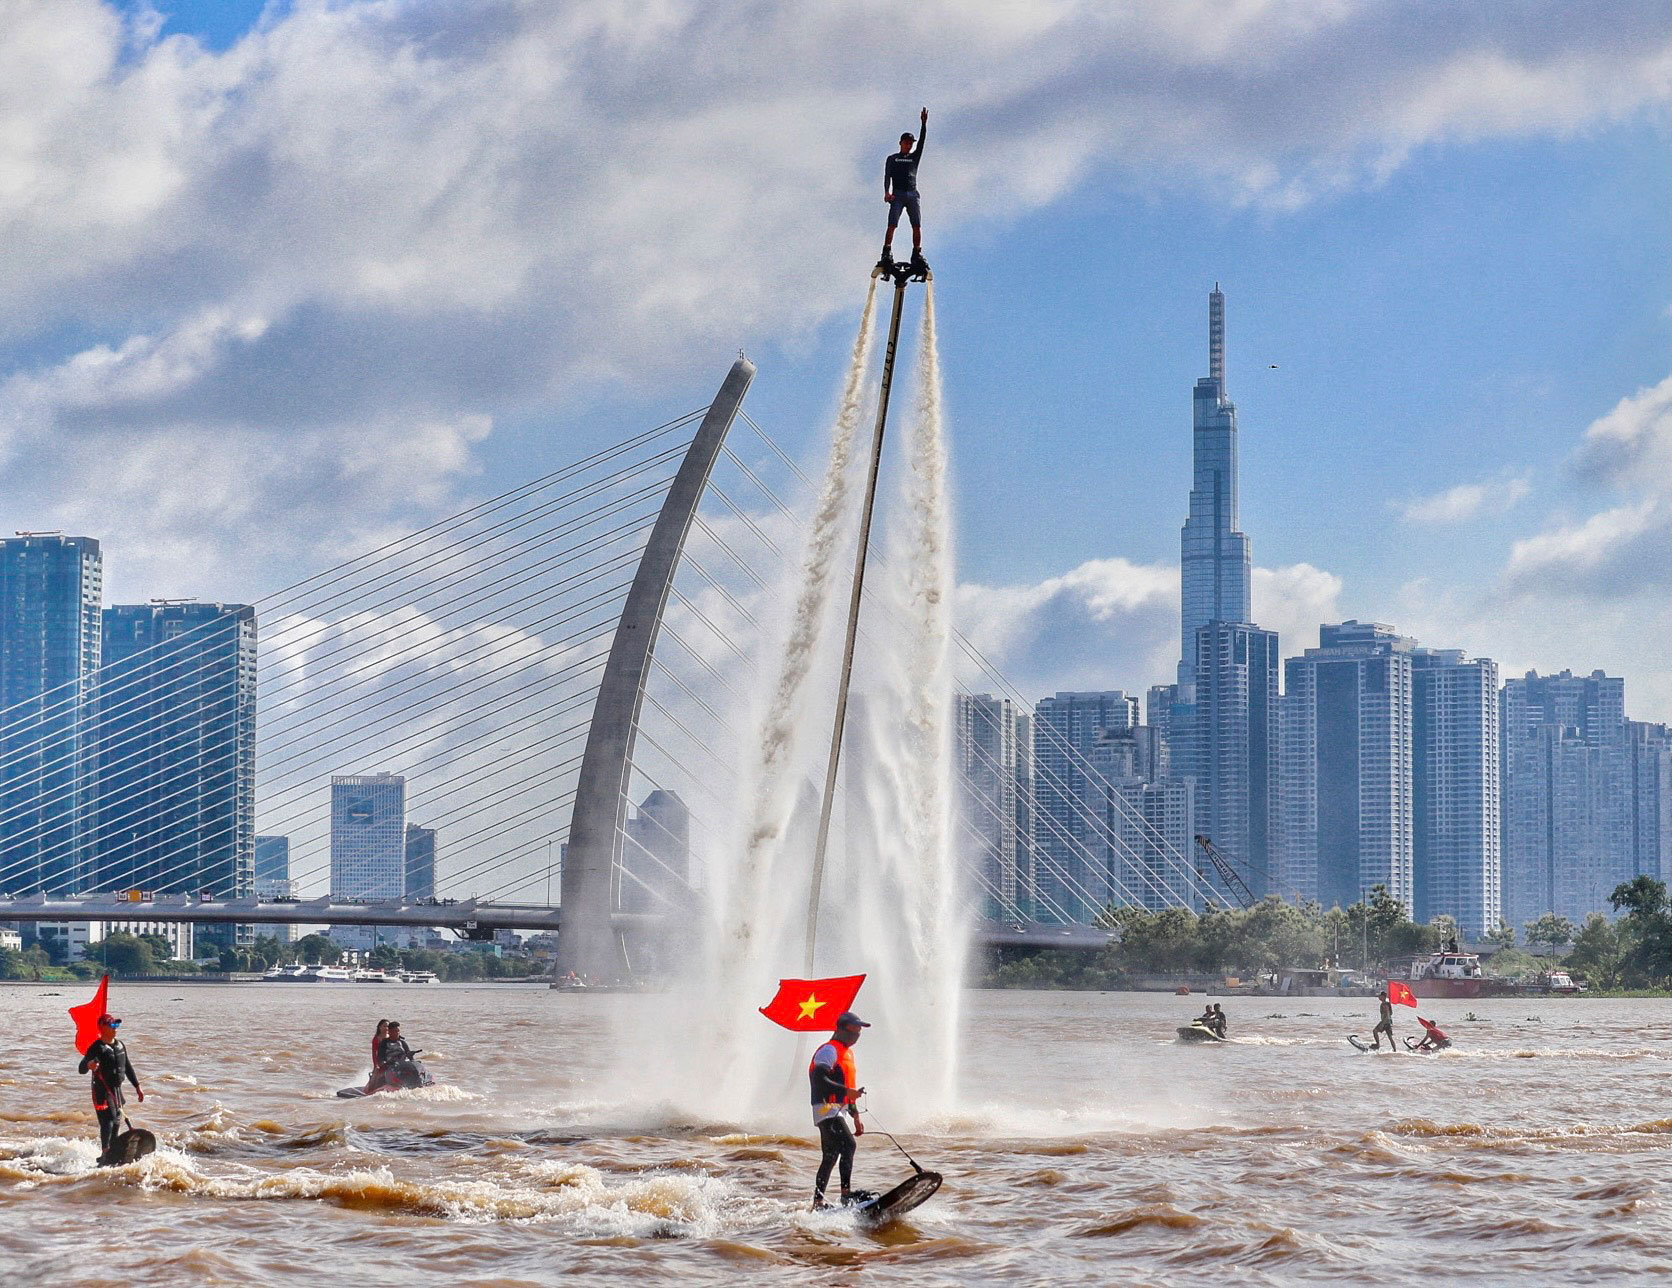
{"x":848,"y":1020}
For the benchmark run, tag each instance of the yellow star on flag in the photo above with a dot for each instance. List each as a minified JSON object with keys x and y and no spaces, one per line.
{"x":810,"y":1006}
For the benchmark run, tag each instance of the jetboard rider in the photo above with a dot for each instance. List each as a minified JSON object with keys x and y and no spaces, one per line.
{"x":899,"y":190}
{"x":1433,"y":1039}
{"x":1383,"y":1025}
{"x":107,"y":1060}
{"x":835,"y":1087}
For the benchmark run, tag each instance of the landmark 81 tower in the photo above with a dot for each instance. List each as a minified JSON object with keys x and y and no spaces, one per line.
{"x":1222,"y":714}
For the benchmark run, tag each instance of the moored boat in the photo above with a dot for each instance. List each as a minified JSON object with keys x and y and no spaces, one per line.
{"x":1452,"y":973}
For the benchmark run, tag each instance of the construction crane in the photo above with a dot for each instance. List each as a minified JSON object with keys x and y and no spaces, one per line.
{"x":1227,"y":874}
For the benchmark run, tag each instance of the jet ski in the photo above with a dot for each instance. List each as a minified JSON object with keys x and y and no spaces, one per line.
{"x":403,"y":1075}
{"x":1198,"y":1032}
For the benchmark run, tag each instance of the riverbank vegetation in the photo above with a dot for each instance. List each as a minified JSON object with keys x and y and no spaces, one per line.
{"x":1244,"y":942}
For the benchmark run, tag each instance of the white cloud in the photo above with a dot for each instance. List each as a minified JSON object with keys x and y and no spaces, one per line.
{"x":1466,"y":501}
{"x":1293,"y":601}
{"x":444,"y":212}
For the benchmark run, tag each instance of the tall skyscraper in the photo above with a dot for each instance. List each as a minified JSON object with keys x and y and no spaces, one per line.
{"x":993,"y":750}
{"x":1066,"y":729}
{"x":1220,"y":719}
{"x":1567,"y":794}
{"x":656,"y":856}
{"x":176,"y":743}
{"x":1455,"y":785}
{"x":1346,"y":761}
{"x":50,"y":592}
{"x":420,"y":862}
{"x":1214,"y":557}
{"x":368,"y":836}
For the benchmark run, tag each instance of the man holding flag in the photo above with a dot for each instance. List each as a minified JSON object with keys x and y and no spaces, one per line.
{"x":103,"y":1054}
{"x":805,"y":1006}
{"x":1395,"y":993}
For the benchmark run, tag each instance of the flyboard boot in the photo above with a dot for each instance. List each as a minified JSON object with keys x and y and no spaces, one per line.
{"x":885,"y":265}
{"x":919,"y":266}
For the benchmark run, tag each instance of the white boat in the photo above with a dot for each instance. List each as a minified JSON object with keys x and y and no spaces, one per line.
{"x":420,"y":977}
{"x":371,"y":975}
{"x":288,"y":973}
{"x":332,"y":974}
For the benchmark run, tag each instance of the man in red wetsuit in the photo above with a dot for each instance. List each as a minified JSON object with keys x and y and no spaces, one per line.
{"x":1432,"y":1038}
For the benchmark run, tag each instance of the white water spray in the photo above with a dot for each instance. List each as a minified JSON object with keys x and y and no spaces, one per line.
{"x":891,"y":896}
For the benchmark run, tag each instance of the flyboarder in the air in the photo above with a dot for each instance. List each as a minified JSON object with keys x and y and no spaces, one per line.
{"x":899,"y":190}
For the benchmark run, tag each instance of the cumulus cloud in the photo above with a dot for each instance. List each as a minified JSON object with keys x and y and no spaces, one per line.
{"x":369,"y":226}
{"x":1111,"y":623}
{"x":1465,"y":501}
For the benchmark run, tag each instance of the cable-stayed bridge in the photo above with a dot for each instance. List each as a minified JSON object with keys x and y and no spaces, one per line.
{"x":527,"y":670}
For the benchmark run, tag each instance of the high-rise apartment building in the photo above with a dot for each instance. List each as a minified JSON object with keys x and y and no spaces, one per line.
{"x":1650,"y":748}
{"x":176,"y":747}
{"x":656,"y":856}
{"x":1143,"y":841}
{"x":1346,"y":763}
{"x":1455,"y":782}
{"x":272,"y":858}
{"x":1569,"y":810}
{"x":50,"y":593}
{"x":993,"y":751}
{"x":1066,"y":728}
{"x":368,"y":836}
{"x":1231,"y":747}
{"x":420,"y":862}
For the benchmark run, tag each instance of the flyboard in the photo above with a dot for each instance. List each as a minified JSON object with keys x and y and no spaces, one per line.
{"x":129,"y":1147}
{"x":873,"y":1211}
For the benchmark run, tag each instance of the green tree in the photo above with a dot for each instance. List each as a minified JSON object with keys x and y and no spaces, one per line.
{"x":124,"y":954}
{"x":1503,"y":934}
{"x":1599,"y":955}
{"x":318,"y":949}
{"x":1551,"y":930}
{"x":1645,"y":932}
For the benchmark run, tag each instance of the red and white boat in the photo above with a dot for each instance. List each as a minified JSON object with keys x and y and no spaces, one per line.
{"x":1454,"y":974}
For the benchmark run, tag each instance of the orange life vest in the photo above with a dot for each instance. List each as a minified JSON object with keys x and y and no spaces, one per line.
{"x":844,"y":1061}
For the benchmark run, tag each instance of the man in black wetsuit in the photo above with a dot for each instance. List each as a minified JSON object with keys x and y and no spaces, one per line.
{"x":108,"y":1061}
{"x":836,"y":1089}
{"x":899,"y":190}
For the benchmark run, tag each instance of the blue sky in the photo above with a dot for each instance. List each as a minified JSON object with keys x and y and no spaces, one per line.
{"x":1446,"y":228}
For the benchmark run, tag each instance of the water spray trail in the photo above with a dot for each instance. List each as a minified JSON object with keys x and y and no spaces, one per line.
{"x":909,"y":905}
{"x":751,"y":894}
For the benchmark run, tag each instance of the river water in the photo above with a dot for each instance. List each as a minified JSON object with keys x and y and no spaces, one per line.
{"x":1088,"y":1146}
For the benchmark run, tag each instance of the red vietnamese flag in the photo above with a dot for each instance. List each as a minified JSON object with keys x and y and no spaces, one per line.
{"x":812,"y":1005}
{"x":86,"y":1016}
{"x":1400,"y":994}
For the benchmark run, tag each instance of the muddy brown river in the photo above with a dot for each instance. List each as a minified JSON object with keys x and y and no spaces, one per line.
{"x":1086,"y":1146}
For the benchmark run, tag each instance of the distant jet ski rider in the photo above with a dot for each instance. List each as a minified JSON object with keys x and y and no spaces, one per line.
{"x":836,"y":1089}
{"x":899,"y":190}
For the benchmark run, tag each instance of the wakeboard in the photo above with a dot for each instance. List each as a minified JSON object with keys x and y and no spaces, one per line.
{"x":350,"y":1093}
{"x":886,"y":1208}
{"x":131,"y":1146}
{"x":1359,"y":1043}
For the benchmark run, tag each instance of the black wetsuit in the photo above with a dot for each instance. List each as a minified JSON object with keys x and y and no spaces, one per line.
{"x":835,"y":1136}
{"x":900,"y":179}
{"x":109,"y":1064}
